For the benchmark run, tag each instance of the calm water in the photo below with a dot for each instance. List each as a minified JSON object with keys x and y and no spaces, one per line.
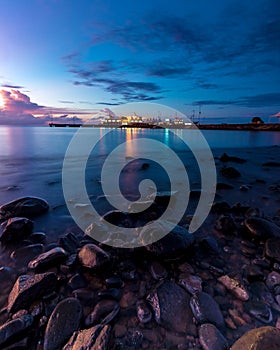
{"x":31,"y":161}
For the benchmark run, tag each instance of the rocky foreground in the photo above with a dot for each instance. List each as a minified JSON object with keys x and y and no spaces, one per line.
{"x":215,"y":290}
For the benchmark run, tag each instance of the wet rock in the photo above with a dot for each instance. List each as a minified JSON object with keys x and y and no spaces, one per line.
{"x":97,"y":337}
{"x":86,"y":296}
{"x":25,"y":206}
{"x":206,"y":310}
{"x":170,"y":304}
{"x":254,"y":273}
{"x":162,"y":197}
{"x":38,"y":237}
{"x":261,"y":228}
{"x":93,"y":257}
{"x":230,"y":172}
{"x":226,"y":224}
{"x":272,"y":249}
{"x":69,"y":242}
{"x":259,"y":310}
{"x":103,"y":313}
{"x":244,"y":188}
{"x":271,"y":164}
{"x":157,"y":271}
{"x":143,"y":312}
{"x":211,"y":338}
{"x":220,"y":207}
{"x":77,"y":281}
{"x":14,"y":330}
{"x":127,"y":270}
{"x":6,"y":274}
{"x":235,"y":287}
{"x":24,"y":254}
{"x":190,"y":283}
{"x":173,"y":245}
{"x":63,"y":322}
{"x":116,"y":217}
{"x":29,"y":288}
{"x":51,"y":258}
{"x":110,"y":293}
{"x":254,"y":212}
{"x":209,"y":245}
{"x":273,"y":280}
{"x":259,"y":339}
{"x":226,"y":158}
{"x":16,"y":229}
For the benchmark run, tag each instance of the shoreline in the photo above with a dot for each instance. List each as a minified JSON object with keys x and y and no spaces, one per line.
{"x":122,"y":297}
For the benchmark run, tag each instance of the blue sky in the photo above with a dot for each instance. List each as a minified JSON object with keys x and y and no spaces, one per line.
{"x":79,"y":57}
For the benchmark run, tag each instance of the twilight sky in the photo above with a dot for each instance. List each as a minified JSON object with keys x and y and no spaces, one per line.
{"x":79,"y":57}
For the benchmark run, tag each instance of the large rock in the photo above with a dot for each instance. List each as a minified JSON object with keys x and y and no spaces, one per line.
{"x":264,"y":338}
{"x":48,"y":259}
{"x":93,"y":257}
{"x":24,"y":254}
{"x":63,"y":322}
{"x":235,"y":287}
{"x":206,"y":310}
{"x":170,"y":304}
{"x":211,"y":338}
{"x":25,"y":206}
{"x":173,"y":245}
{"x":262,"y":228}
{"x":28,"y":288}
{"x":15,"y":230}
{"x":230,"y":172}
{"x":95,"y":338}
{"x":272,"y":248}
{"x":15,"y":329}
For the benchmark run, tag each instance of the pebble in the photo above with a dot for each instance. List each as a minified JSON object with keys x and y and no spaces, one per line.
{"x":104,"y":312}
{"x":211,"y":338}
{"x":143,"y":312}
{"x":272,"y":249}
{"x":49,"y":259}
{"x":25,"y":206}
{"x":273,"y":280}
{"x":93,"y":257}
{"x":15,"y":329}
{"x":15,"y":229}
{"x":64,"y":320}
{"x":191,"y":283}
{"x":235,"y":287}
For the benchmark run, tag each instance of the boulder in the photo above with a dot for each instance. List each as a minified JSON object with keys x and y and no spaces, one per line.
{"x":93,"y":257}
{"x":16,"y":229}
{"x":48,"y":259}
{"x":15,"y":329}
{"x":25,"y":206}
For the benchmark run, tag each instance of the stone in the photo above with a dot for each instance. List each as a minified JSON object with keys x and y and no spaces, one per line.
{"x":157,"y":271}
{"x":97,"y":337}
{"x":24,"y":254}
{"x":206,"y":310}
{"x":93,"y":257}
{"x":271,"y":164}
{"x":173,"y":245}
{"x":143,"y":312}
{"x":230,"y":172}
{"x":29,"y":288}
{"x":69,"y":242}
{"x":15,"y":329}
{"x":261,"y":228}
{"x":226,"y":158}
{"x":263,"y":338}
{"x":48,"y":259}
{"x":16,"y":229}
{"x":226,"y":224}
{"x":63,"y":322}
{"x":103,"y":312}
{"x":25,"y":206}
{"x":211,"y":338}
{"x":170,"y":304}
{"x":273,"y":280}
{"x":235,"y":287}
{"x":272,"y":248}
{"x":260,"y":310}
{"x":190,"y":283}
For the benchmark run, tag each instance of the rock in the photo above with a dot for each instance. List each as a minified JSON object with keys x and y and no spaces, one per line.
{"x":170,"y":304}
{"x":16,"y":229}
{"x":263,"y":338}
{"x":49,"y":259}
{"x":77,"y":281}
{"x":29,"y":288}
{"x":190,"y":283}
{"x":272,"y":248}
{"x":38,"y":237}
{"x":93,"y":257}
{"x":127,"y":270}
{"x":25,"y":206}
{"x":244,"y":188}
{"x":271,"y":164}
{"x":226,"y":158}
{"x":93,"y":338}
{"x":209,"y":245}
{"x":206,"y":310}
{"x":162,"y":197}
{"x":143,"y":312}
{"x":110,"y":293}
{"x":220,"y":207}
{"x":15,"y":329}
{"x":114,"y":282}
{"x":69,"y":242}
{"x":235,"y":287}
{"x":210,"y":338}
{"x":261,"y":228}
{"x":24,"y":254}
{"x":104,"y":312}
{"x":230,"y":172}
{"x":260,"y":310}
{"x":273,"y":280}
{"x":173,"y":245}
{"x":157,"y":271}
{"x":226,"y":224}
{"x":63,"y":322}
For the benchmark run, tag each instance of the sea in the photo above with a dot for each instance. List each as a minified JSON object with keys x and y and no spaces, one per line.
{"x":32,"y":158}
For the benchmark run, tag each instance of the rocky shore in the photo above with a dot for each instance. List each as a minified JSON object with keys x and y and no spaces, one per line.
{"x":214,"y":290}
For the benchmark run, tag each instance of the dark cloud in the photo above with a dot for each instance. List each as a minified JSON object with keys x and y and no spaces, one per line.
{"x":261,"y":100}
{"x":67,"y":102}
{"x":10,"y":86}
{"x":108,"y":103}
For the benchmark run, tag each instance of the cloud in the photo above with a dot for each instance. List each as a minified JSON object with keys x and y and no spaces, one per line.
{"x":260,"y":100}
{"x":10,"y":86}
{"x":108,"y":103}
{"x":18,"y":103}
{"x":66,"y":102}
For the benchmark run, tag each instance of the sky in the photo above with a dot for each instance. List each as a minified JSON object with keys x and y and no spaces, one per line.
{"x":83,"y":58}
